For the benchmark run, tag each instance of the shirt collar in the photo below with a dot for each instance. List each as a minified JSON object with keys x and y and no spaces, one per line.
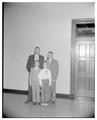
{"x":36,"y":55}
{"x":45,"y":69}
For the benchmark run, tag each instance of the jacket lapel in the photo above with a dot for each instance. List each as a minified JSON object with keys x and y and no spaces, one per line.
{"x":50,"y":65}
{"x":39,"y":58}
{"x":33,"y":57}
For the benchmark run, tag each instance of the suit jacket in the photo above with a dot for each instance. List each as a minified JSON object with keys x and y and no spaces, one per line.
{"x":31,"y":60}
{"x":54,"y":68}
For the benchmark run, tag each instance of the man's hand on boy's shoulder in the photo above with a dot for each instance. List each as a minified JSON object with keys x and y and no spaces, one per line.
{"x":40,"y":85}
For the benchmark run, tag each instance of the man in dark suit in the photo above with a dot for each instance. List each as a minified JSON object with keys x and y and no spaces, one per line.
{"x":30,"y":64}
{"x":54,"y":68}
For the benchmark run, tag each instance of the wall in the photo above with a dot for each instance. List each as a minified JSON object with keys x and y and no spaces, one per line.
{"x":47,"y":25}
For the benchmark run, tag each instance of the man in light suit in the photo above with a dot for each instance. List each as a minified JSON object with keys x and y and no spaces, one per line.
{"x":54,"y":68}
{"x":30,"y":64}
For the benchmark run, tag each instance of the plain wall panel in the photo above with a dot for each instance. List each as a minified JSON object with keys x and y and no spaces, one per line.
{"x":47,"y":25}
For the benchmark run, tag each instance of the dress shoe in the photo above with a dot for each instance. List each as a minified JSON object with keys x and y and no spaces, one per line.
{"x":42,"y":104}
{"x":34,"y":103}
{"x":46,"y":104}
{"x":27,"y":101}
{"x":38,"y":103}
{"x":53,"y":102}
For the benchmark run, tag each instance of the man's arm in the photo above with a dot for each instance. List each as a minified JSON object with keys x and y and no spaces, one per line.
{"x":56,"y":70}
{"x":28,"y":65}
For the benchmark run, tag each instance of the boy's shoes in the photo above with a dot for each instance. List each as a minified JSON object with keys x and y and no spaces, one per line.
{"x":34,"y":103}
{"x":38,"y":103}
{"x":46,"y":104}
{"x":27,"y":101}
{"x":53,"y":102}
{"x":42,"y":104}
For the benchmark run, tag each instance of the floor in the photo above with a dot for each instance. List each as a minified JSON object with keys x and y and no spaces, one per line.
{"x":14,"y":106}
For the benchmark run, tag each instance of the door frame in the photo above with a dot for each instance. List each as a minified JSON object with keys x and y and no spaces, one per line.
{"x":73,"y":43}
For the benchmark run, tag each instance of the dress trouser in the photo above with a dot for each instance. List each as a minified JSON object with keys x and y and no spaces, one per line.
{"x":53,"y":91}
{"x":45,"y":91}
{"x":29,"y":92}
{"x":36,"y":91}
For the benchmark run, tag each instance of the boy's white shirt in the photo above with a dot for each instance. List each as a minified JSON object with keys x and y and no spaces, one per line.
{"x":45,"y":74}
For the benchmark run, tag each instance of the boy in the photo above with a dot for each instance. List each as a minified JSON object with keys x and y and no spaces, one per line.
{"x":34,"y":82}
{"x":45,"y":82}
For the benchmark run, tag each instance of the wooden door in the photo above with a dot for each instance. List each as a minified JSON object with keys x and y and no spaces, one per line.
{"x":83,"y":58}
{"x":85,"y":67}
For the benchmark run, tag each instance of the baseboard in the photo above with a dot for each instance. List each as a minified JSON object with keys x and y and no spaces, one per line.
{"x":25,"y":92}
{"x":68,"y":96}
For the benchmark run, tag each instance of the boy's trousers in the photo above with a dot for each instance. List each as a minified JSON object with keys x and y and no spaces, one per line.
{"x":29,"y":97}
{"x":45,"y":91}
{"x":36,"y":91}
{"x":29,"y":92}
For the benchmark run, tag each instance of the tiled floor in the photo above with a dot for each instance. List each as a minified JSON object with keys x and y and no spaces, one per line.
{"x":14,"y":106}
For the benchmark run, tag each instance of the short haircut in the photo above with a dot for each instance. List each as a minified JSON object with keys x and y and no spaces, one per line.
{"x":37,"y":47}
{"x":50,"y":52}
